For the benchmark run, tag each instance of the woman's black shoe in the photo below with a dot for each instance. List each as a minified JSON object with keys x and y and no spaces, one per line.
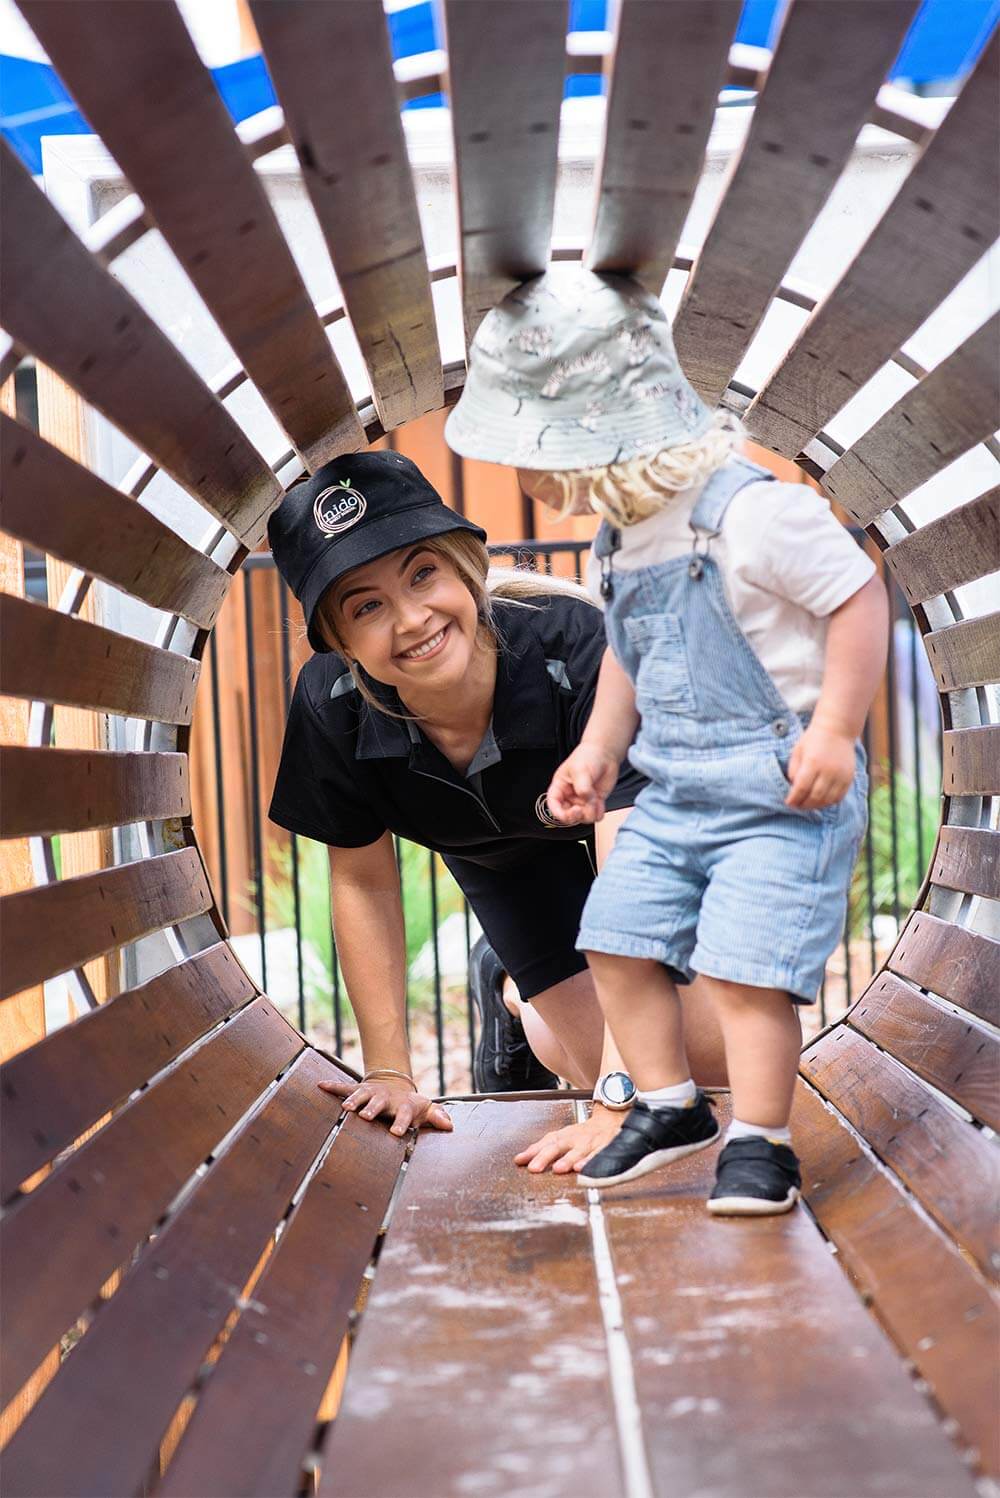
{"x":503,"y":1061}
{"x":649,"y":1138}
{"x":755,"y":1178}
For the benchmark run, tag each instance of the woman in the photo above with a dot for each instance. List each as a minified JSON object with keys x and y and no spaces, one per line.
{"x":437,"y":706}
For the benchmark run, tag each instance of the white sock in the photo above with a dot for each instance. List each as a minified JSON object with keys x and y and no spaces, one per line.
{"x":740,"y":1130}
{"x":681,"y":1096}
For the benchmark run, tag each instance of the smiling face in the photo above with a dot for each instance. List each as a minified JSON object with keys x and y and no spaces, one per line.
{"x":409,"y":620}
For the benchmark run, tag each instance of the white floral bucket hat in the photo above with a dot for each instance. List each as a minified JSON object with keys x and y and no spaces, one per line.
{"x":574,"y":370}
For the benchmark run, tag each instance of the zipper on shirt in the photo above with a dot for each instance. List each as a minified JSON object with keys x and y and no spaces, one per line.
{"x":465,"y":791}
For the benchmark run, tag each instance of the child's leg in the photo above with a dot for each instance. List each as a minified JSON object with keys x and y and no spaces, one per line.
{"x":671,"y":1118}
{"x":763,"y":1038}
{"x":757,"y":1172}
{"x":643,"y":1013}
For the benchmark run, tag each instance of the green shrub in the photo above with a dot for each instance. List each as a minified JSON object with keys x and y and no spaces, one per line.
{"x":912,"y":851}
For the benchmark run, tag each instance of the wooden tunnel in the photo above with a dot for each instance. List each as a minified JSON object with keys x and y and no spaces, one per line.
{"x":181,"y":1202}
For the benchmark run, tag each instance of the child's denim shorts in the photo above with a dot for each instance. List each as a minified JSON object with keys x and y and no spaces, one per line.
{"x":713,"y":874}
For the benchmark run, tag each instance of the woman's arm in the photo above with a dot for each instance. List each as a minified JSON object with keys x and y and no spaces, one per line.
{"x":371,"y":946}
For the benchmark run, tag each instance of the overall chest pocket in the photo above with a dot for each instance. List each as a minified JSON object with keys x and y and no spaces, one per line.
{"x":663,"y":678}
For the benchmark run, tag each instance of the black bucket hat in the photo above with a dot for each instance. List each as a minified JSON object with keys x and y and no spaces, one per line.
{"x":353,"y":510}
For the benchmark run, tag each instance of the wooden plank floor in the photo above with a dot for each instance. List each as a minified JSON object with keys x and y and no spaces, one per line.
{"x":491,"y":1357}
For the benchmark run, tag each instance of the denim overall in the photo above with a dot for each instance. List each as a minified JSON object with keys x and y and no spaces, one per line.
{"x":712,"y":872}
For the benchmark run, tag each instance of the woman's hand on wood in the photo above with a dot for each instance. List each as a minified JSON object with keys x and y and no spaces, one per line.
{"x":569,"y":1149}
{"x":388,"y":1097}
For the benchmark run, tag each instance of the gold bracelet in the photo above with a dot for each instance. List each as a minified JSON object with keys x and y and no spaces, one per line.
{"x":389,"y":1071}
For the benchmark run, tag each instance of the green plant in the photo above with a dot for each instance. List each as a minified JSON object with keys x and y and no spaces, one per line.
{"x":314,"y":906}
{"x":893,"y":866}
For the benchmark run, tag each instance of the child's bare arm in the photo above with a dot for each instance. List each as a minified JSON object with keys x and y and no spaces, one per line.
{"x":821,"y":767}
{"x":583,"y":781}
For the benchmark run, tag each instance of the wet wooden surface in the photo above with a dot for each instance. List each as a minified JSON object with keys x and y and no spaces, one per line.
{"x":939,"y":1312}
{"x":757,"y":1367}
{"x":481,"y":1365}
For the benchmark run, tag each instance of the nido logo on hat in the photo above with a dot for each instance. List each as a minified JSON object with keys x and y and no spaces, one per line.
{"x":338,"y":508}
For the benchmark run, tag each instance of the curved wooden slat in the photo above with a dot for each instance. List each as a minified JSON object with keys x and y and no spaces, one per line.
{"x":959,"y":1058}
{"x":960,"y":965}
{"x":968,"y":859}
{"x":56,"y":505}
{"x":506,"y":129}
{"x":950,"y":1166}
{"x":816,"y":98}
{"x":332,"y":69}
{"x":965,"y":654}
{"x":957,"y":548}
{"x":52,"y":657}
{"x":61,"y":304}
{"x":189,"y":1281}
{"x":664,"y":76}
{"x":59,"y":926}
{"x":931,"y":1302}
{"x":135,"y":74}
{"x":949,"y":411}
{"x":935,"y":229}
{"x":256,"y":1418}
{"x":53,"y":1092}
{"x":971,"y":762}
{"x":69,"y":790}
{"x":98,"y":1204}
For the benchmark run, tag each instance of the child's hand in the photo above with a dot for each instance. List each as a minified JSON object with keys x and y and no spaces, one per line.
{"x":821,"y":768}
{"x":581,"y":784}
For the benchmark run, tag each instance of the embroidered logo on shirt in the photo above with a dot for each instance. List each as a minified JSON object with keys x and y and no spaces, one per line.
{"x":338,"y":508}
{"x":543,"y":814}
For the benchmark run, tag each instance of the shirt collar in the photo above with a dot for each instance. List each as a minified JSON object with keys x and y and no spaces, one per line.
{"x":523,"y":707}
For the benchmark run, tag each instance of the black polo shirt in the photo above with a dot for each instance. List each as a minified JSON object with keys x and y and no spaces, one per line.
{"x":348,"y":773}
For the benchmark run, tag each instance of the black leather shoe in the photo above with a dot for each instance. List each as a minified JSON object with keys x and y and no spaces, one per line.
{"x":755,"y":1178}
{"x":649,"y":1138}
{"x":503,"y":1060}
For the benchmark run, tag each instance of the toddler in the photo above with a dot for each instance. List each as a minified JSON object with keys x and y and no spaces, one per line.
{"x":746,"y":638}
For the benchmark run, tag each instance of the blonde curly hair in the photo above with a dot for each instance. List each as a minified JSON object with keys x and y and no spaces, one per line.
{"x":625,"y":493}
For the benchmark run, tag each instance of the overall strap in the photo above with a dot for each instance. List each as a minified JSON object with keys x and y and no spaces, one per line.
{"x":607,"y":541}
{"x":719,"y":492}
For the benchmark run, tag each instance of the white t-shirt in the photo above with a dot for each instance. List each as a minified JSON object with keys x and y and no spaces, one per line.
{"x":786,"y":564}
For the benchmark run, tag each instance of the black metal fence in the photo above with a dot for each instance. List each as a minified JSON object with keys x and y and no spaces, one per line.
{"x":291,"y":947}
